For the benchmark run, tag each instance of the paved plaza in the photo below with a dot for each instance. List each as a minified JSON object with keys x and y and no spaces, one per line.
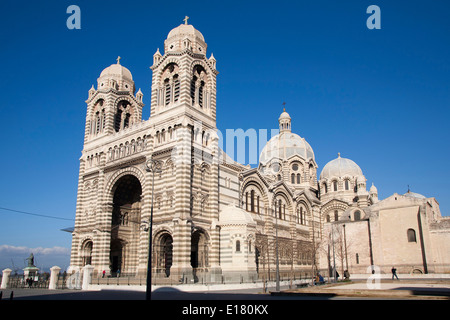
{"x":386,"y":289}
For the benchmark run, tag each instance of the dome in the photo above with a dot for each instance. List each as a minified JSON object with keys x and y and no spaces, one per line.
{"x":234,"y":215}
{"x":414,"y":195}
{"x":184,"y":30}
{"x":340,"y":167}
{"x":284,"y":115}
{"x":117,"y":70}
{"x":373,"y":189}
{"x":183,"y":37}
{"x":285,"y":145}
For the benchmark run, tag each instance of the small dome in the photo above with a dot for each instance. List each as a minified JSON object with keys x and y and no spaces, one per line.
{"x":340,"y":167}
{"x":183,"y":37}
{"x":373,"y":189}
{"x":117,"y":71}
{"x":414,"y":195}
{"x":284,"y":115}
{"x":234,"y":215}
{"x":184,"y":30}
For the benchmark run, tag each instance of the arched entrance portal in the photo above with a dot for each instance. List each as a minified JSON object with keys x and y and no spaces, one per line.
{"x":164,"y":254}
{"x":86,"y":253}
{"x":199,"y":253}
{"x":116,"y":255}
{"x":125,"y":222}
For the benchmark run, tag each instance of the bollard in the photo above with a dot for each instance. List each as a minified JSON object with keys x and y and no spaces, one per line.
{"x":53,"y":277}
{"x":5,"y":278}
{"x":87,"y":276}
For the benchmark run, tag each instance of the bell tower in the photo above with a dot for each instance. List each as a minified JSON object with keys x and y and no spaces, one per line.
{"x":184,"y":79}
{"x":114,"y":106}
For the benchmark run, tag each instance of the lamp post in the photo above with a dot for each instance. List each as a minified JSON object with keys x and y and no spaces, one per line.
{"x":345,"y":248}
{"x":152,"y":166}
{"x":334,"y":255}
{"x":277,"y":279}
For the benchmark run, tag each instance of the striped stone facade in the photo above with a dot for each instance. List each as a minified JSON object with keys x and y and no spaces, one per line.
{"x":213,"y":218}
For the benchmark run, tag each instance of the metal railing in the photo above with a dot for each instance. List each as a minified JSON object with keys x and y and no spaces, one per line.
{"x":40,"y":281}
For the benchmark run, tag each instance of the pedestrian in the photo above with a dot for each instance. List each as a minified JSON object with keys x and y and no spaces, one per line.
{"x":394,"y":273}
{"x":346,"y":275}
{"x":104,"y":272}
{"x":321,"y":281}
{"x":337,"y":274}
{"x":316,"y":279}
{"x":118,"y":273}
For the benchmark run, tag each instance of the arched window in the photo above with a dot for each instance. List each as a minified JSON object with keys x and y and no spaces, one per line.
{"x":411,"y":235}
{"x":170,"y":91}
{"x":257,"y":204}
{"x":176,"y":88}
{"x":347,"y":186}
{"x":301,"y":215}
{"x":335,"y":186}
{"x":118,"y":120}
{"x":252,"y":201}
{"x":357,"y":215}
{"x":193,"y":81}
{"x":200,"y":94}
{"x":97,"y":125}
{"x":246,"y":201}
{"x":325,"y":188}
{"x":292,"y":178}
{"x":124,"y":116}
{"x":238,"y":246}
{"x":328,"y":218}
{"x":298,"y":178}
{"x":167,"y":92}
{"x":103,"y":119}
{"x":126,"y":121}
{"x":336,"y":215}
{"x":198,"y":84}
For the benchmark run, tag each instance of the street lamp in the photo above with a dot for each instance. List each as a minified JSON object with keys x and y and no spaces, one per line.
{"x":277,"y":280}
{"x":334,"y":255}
{"x":152,"y":166}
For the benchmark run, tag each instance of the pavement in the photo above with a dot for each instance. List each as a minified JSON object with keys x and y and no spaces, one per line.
{"x":389,"y":289}
{"x":427,"y":289}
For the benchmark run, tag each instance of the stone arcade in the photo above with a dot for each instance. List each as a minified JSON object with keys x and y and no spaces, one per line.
{"x":213,"y":217}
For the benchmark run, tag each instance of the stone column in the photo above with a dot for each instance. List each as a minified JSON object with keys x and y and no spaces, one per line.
{"x":5,"y":278}
{"x":54,"y":271}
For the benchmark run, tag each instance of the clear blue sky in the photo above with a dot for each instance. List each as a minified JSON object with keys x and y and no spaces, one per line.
{"x":379,"y":97}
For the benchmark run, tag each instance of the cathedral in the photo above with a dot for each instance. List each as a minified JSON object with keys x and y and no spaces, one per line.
{"x":165,"y":181}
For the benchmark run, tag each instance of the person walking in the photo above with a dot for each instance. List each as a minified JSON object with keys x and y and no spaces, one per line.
{"x":394,"y":273}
